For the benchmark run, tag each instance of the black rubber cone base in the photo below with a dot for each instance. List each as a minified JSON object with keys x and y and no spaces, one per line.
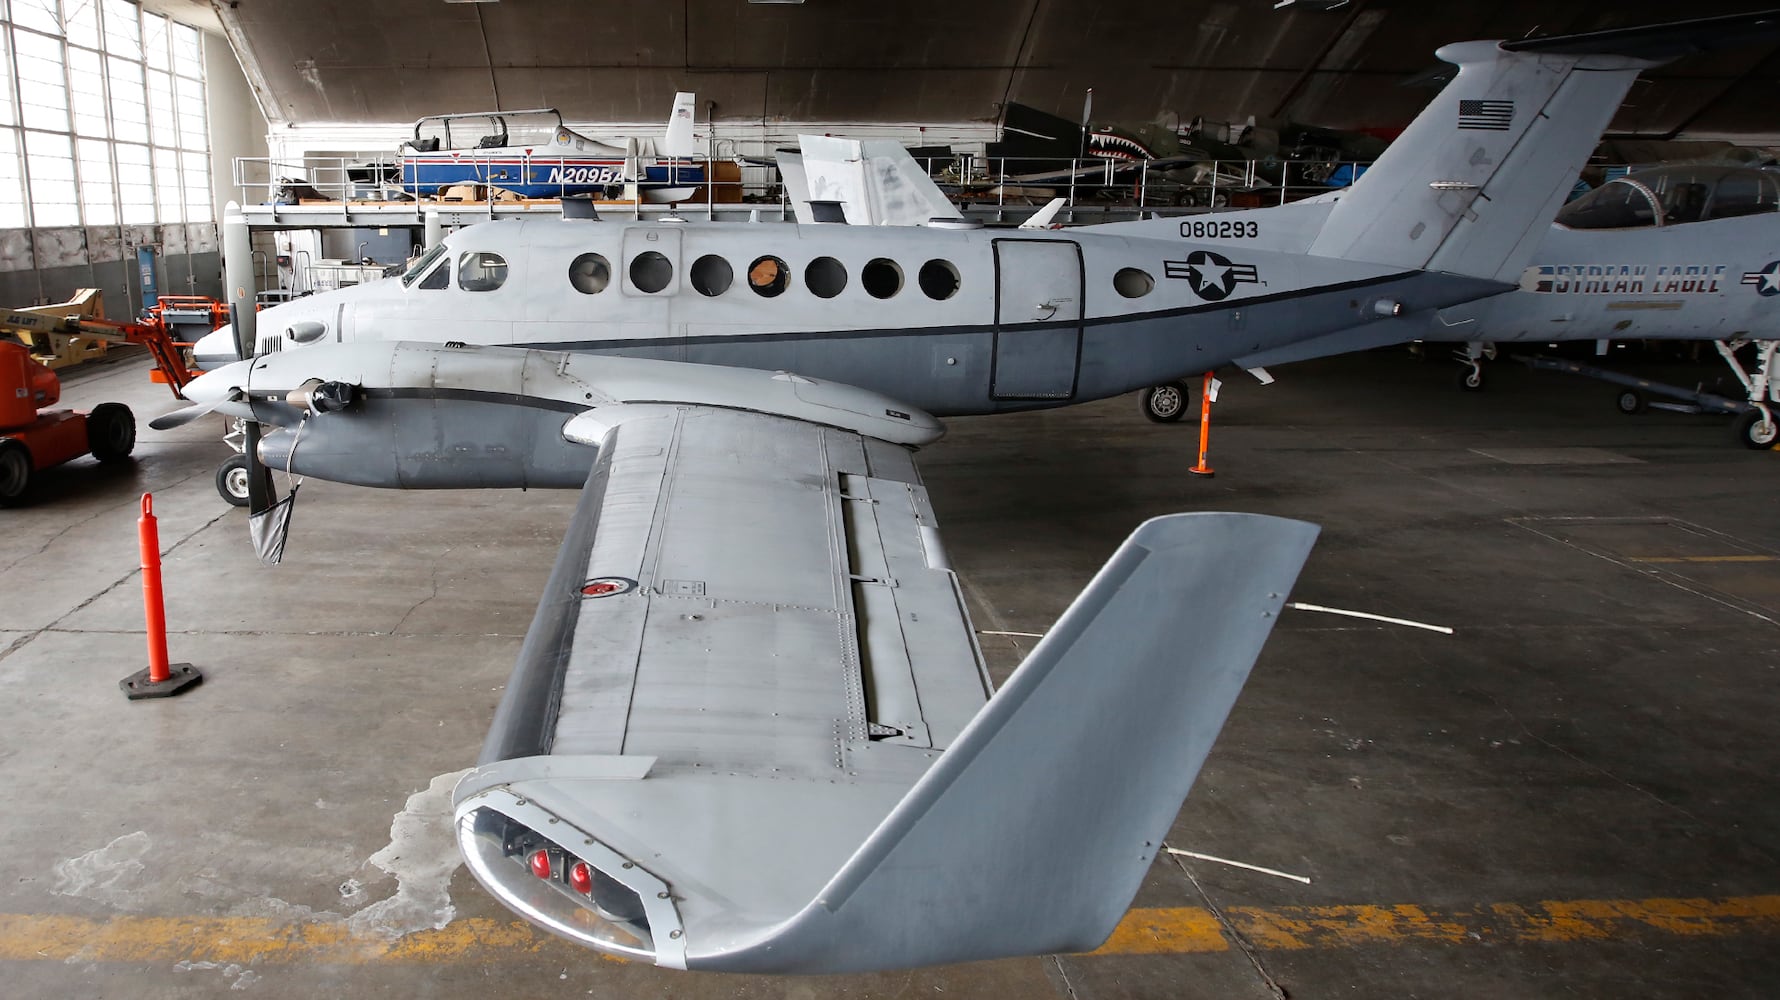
{"x":179,"y":677}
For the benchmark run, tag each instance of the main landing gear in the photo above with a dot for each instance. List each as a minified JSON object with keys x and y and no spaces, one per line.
{"x":1166,"y":403}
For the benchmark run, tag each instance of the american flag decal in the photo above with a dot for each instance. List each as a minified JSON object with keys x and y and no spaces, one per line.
{"x":1491,"y":116}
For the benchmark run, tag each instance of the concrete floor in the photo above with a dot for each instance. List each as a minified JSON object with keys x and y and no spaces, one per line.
{"x":1571,"y":796}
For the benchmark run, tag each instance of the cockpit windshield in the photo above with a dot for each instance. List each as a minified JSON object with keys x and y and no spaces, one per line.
{"x":1674,"y":196}
{"x":420,"y":266}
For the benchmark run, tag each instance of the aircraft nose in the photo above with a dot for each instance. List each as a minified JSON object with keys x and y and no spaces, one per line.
{"x":216,"y":348}
{"x":215,"y":385}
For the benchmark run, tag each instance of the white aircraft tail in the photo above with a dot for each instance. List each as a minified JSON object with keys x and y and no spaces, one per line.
{"x":1033,"y":830}
{"x":677,"y":139}
{"x":1452,"y":193}
{"x":876,"y":182}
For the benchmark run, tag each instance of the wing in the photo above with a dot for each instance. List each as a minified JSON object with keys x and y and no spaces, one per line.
{"x":750,"y":728}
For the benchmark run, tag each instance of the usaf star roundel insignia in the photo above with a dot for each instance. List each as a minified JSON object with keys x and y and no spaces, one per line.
{"x":607,"y":586}
{"x":1211,"y":275}
{"x":1766,"y":280}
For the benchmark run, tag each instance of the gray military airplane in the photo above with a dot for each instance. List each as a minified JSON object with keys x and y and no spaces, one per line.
{"x":749,"y":729}
{"x":1684,"y":252}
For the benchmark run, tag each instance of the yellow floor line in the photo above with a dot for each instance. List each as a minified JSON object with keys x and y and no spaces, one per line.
{"x":1183,"y":930}
{"x":1705,"y":559}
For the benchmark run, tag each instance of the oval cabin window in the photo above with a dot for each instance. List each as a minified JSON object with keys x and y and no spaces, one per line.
{"x":1133,"y":283}
{"x":481,"y":271}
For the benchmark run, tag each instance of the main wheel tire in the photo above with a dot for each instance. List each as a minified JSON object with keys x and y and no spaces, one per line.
{"x":16,"y":472}
{"x":1631,"y":401}
{"x":1471,"y":379}
{"x":111,"y":432}
{"x":1755,"y":432}
{"x":231,"y":480}
{"x":1166,"y":403}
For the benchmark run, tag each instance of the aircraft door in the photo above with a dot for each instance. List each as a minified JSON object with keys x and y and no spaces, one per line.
{"x":1038,"y":319}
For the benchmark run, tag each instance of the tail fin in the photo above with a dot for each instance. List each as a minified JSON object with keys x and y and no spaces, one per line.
{"x":677,"y":139}
{"x":1471,"y":185}
{"x":876,"y":181}
{"x":1032,"y":832}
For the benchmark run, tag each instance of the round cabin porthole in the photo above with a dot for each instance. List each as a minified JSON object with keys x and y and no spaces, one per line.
{"x":650,"y":271}
{"x":768,"y":276}
{"x":712,"y":275}
{"x":590,"y":273}
{"x":825,"y":277}
{"x":881,"y":278}
{"x":938,"y":279}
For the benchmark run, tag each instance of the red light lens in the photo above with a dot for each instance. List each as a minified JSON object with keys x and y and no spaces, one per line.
{"x":541,"y":864}
{"x":581,"y":877}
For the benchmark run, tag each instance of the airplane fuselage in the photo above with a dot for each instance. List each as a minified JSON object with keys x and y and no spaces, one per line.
{"x":953,"y":321}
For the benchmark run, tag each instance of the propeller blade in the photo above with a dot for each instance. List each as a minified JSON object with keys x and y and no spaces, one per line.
{"x":179,"y":418}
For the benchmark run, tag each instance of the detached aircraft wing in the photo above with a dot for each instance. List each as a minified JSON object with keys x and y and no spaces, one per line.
{"x":752,"y":709}
{"x":750,"y":728}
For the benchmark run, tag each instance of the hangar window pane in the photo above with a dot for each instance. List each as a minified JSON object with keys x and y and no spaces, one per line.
{"x":12,"y":182}
{"x":198,"y":206}
{"x":88,"y":79}
{"x":650,"y":271}
{"x":1743,"y":193}
{"x":51,"y":162}
{"x":481,"y":271}
{"x":881,"y":277}
{"x":590,"y":273}
{"x":135,"y":187}
{"x":123,"y":36}
{"x":97,"y":202}
{"x":154,"y":41}
{"x":826,"y":277}
{"x":6,"y":108}
{"x":160,"y":108}
{"x":43,"y":90}
{"x":168,"y":193}
{"x":768,"y":276}
{"x":1133,"y":283}
{"x":188,"y":52}
{"x":37,"y":14}
{"x":129,"y":105}
{"x":939,"y":279}
{"x":712,"y":275}
{"x":82,"y":23}
{"x":1614,"y":205}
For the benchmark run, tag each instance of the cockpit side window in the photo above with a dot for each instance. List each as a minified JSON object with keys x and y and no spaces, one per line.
{"x":439,"y":278}
{"x":1617,"y":204}
{"x":481,"y":271}
{"x":419,"y":267}
{"x":1743,"y":193}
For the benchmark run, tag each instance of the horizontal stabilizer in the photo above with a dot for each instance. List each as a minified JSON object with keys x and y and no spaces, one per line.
{"x":1661,"y":42}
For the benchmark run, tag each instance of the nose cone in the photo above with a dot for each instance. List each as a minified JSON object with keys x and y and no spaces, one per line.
{"x":214,"y":386}
{"x":215,"y":349}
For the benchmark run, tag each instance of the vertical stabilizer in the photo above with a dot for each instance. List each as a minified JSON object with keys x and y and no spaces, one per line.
{"x":1471,"y":185}
{"x":876,"y":181}
{"x":677,"y":139}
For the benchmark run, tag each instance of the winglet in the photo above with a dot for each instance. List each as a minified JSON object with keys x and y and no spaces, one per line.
{"x":1033,"y":831}
{"x":1041,"y":219}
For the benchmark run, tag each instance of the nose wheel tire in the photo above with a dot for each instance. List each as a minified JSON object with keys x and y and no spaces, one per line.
{"x":111,"y":432}
{"x":16,"y":471}
{"x":1471,"y":379}
{"x":1631,"y":401}
{"x":1757,"y":429}
{"x":231,"y":480}
{"x":1166,"y":403}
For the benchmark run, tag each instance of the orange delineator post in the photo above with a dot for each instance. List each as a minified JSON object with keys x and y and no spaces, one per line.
{"x":154,"y":607}
{"x":160,"y":678}
{"x":1204,"y":469}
